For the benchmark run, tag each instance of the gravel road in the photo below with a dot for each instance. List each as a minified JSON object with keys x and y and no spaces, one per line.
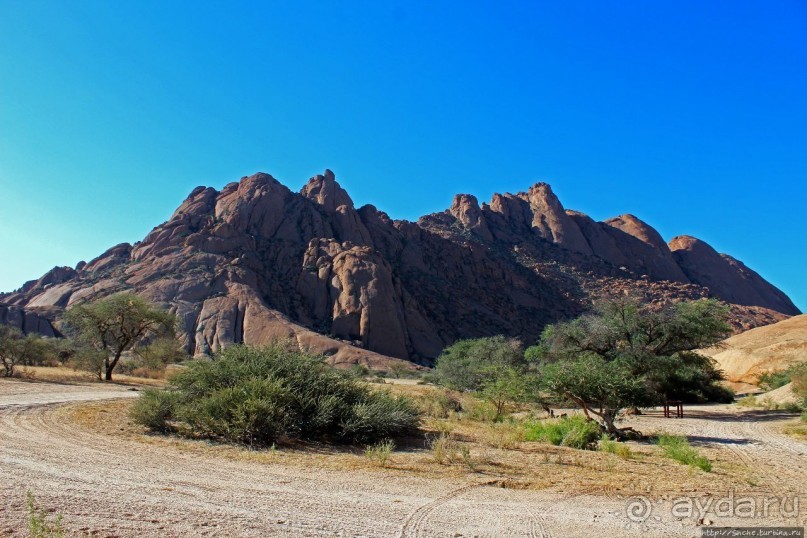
{"x":108,"y":486}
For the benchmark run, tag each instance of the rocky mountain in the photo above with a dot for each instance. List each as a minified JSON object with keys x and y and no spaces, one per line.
{"x":256,"y":261}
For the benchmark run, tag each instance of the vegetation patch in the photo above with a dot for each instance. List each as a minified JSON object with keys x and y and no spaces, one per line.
{"x":380,"y":452}
{"x":40,"y":524}
{"x":620,"y":450}
{"x":573,"y":432}
{"x":259,"y":396}
{"x":677,"y":447}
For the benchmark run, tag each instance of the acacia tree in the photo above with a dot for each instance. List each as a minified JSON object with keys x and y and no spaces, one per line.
{"x":629,"y":354}
{"x":117,"y":324}
{"x":18,"y":348}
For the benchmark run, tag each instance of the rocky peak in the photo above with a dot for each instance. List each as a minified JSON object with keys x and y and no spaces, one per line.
{"x":550,"y":221}
{"x":197,"y":205}
{"x":693,"y":244}
{"x":324,"y":190}
{"x":639,"y":229}
{"x":726,"y":277}
{"x":465,"y":208}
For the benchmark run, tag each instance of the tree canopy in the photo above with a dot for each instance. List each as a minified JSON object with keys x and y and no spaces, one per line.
{"x":631,"y":354}
{"x":17,"y":348}
{"x":116,"y":324}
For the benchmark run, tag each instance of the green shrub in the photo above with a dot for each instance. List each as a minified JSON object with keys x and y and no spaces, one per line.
{"x":380,"y":452}
{"x":678,"y":448}
{"x":153,"y":409}
{"x":257,"y":396}
{"x":621,"y":450}
{"x":574,"y":432}
{"x":804,"y":416}
{"x":774,"y":380}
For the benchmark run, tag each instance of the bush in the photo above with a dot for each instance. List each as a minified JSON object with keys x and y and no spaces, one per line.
{"x":153,"y":409}
{"x":804,"y":416}
{"x":774,"y":380}
{"x":257,"y":396}
{"x":574,"y":432}
{"x":678,"y":448}
{"x":380,"y":452}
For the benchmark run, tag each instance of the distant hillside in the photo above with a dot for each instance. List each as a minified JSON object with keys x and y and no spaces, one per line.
{"x":256,"y":261}
{"x":765,"y":349}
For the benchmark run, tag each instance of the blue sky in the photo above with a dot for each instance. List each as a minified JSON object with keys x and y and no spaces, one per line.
{"x":691,"y":115}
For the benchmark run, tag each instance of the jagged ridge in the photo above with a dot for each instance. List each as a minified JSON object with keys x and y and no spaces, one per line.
{"x":256,"y":261}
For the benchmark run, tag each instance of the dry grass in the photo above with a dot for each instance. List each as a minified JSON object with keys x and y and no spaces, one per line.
{"x":493,"y":450}
{"x":61,"y":374}
{"x":797,"y":429}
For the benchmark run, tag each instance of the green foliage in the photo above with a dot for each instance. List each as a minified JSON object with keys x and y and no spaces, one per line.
{"x":116,"y":324}
{"x":804,"y":416}
{"x":380,"y":452}
{"x":630,"y":354}
{"x":153,"y":409}
{"x":774,"y":380}
{"x":39,"y":524}
{"x":470,"y":364}
{"x":620,"y":450}
{"x":798,"y":376}
{"x":260,"y":395}
{"x":18,"y":349}
{"x":494,"y":368}
{"x":678,"y":448}
{"x":359,"y":371}
{"x":574,"y":432}
{"x":600,"y":387}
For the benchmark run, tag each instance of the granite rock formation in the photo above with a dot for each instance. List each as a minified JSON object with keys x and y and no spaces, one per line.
{"x":255,"y":261}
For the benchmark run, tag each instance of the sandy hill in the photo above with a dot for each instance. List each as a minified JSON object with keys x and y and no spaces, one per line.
{"x":764,"y":349}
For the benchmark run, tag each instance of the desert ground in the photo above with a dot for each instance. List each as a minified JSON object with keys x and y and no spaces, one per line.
{"x":71,"y":445}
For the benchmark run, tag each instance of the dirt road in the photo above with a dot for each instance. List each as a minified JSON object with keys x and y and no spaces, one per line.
{"x":115,"y":487}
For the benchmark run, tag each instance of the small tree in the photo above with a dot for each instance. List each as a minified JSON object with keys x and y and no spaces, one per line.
{"x":470,"y":364}
{"x":599,"y":387}
{"x":17,"y":348}
{"x":630,"y":354}
{"x":116,"y":324}
{"x":506,"y":386}
{"x":494,"y":368}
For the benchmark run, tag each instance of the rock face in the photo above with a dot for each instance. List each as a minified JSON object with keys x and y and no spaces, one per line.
{"x":726,"y":277}
{"x":254,"y":262}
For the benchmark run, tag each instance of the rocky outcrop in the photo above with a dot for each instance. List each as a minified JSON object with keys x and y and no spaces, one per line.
{"x":255,"y":261}
{"x":26,"y":320}
{"x":726,"y":277}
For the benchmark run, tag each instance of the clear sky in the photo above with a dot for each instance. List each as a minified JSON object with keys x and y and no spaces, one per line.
{"x":691,"y":115}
